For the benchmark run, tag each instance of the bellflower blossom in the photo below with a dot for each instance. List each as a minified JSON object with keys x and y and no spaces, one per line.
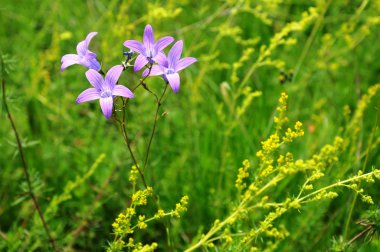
{"x":83,"y":57}
{"x":149,"y":51}
{"x":104,"y":89}
{"x":171,"y":65}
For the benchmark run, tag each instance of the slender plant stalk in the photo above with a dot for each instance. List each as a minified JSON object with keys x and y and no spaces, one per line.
{"x":24,"y":163}
{"x":216,"y":228}
{"x":154,"y":126}
{"x":310,"y":39}
{"x":123,"y":127}
{"x":339,"y":183}
{"x":127,"y":142}
{"x":370,"y":227}
{"x":346,"y":227}
{"x":242,"y":206}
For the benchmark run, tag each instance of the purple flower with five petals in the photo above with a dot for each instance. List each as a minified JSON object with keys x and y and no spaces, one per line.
{"x":171,"y":65}
{"x":104,"y":89}
{"x":84,"y":57}
{"x":149,"y":51}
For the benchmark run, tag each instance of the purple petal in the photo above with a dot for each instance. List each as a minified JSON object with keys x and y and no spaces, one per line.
{"x":90,"y":63}
{"x":113,"y":75}
{"x":106,"y":105}
{"x":68,"y":60}
{"x":175,"y":53}
{"x":183,"y":63}
{"x":89,"y":37}
{"x":135,"y":45}
{"x":163,"y":42}
{"x":121,"y":90}
{"x":94,"y":64}
{"x":156,"y":70}
{"x":173,"y":80}
{"x":148,"y":36}
{"x":140,"y":62}
{"x":82,"y":46}
{"x":90,"y":55}
{"x":161,"y":59}
{"x":89,"y":60}
{"x":95,"y":79}
{"x":88,"y":95}
{"x":69,"y":57}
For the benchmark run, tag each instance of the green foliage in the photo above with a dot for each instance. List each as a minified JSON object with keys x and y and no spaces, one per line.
{"x":320,"y":58}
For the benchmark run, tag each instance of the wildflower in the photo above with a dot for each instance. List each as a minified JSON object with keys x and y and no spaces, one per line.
{"x":149,"y":51}
{"x":170,"y":67}
{"x":83,"y":57}
{"x":104,"y":89}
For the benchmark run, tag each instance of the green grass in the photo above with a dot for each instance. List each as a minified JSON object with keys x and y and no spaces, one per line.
{"x":200,"y":143}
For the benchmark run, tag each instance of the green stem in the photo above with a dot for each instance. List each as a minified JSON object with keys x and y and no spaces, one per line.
{"x":310,"y":40}
{"x":234,"y":215}
{"x":154,"y":126}
{"x":124,"y":129}
{"x":340,"y":183}
{"x":154,"y":218}
{"x":216,"y":228}
{"x":24,"y":163}
{"x":127,"y":142}
{"x":346,"y":227}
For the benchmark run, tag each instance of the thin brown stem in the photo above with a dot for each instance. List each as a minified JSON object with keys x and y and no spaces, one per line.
{"x":24,"y":163}
{"x":127,"y":142}
{"x":370,"y":227}
{"x":143,"y":79}
{"x":154,"y":126}
{"x":123,"y":127}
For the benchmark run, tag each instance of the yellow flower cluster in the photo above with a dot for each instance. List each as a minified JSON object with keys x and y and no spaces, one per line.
{"x":274,"y":168}
{"x":242,"y":175}
{"x":160,"y":214}
{"x":271,"y":144}
{"x":249,"y":95}
{"x":122,"y":224}
{"x":281,"y":38}
{"x":133,"y":174}
{"x":351,"y":33}
{"x":281,"y":119}
{"x":354,"y":125}
{"x":239,"y":64}
{"x":127,"y":222}
{"x":157,"y":11}
{"x":328,"y":155}
{"x":139,"y":247}
{"x":140,"y":198}
{"x":291,"y":134}
{"x":141,"y":223}
{"x":181,"y":207}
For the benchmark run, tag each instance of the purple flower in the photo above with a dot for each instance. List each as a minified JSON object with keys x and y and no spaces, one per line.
{"x":84,"y":57}
{"x":149,"y":51}
{"x":171,"y":65}
{"x":104,"y":89}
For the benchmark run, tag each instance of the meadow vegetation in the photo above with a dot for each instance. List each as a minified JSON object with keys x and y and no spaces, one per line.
{"x":271,"y":143}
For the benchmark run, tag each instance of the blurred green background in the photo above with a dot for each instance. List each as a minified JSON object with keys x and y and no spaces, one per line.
{"x":205,"y":131}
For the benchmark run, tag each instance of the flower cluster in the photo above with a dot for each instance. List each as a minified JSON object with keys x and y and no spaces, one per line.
{"x":242,"y":175}
{"x":130,"y":220}
{"x":150,"y":55}
{"x":257,"y":202}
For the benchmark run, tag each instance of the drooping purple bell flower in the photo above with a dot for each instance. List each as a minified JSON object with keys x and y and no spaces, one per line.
{"x":83,"y":57}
